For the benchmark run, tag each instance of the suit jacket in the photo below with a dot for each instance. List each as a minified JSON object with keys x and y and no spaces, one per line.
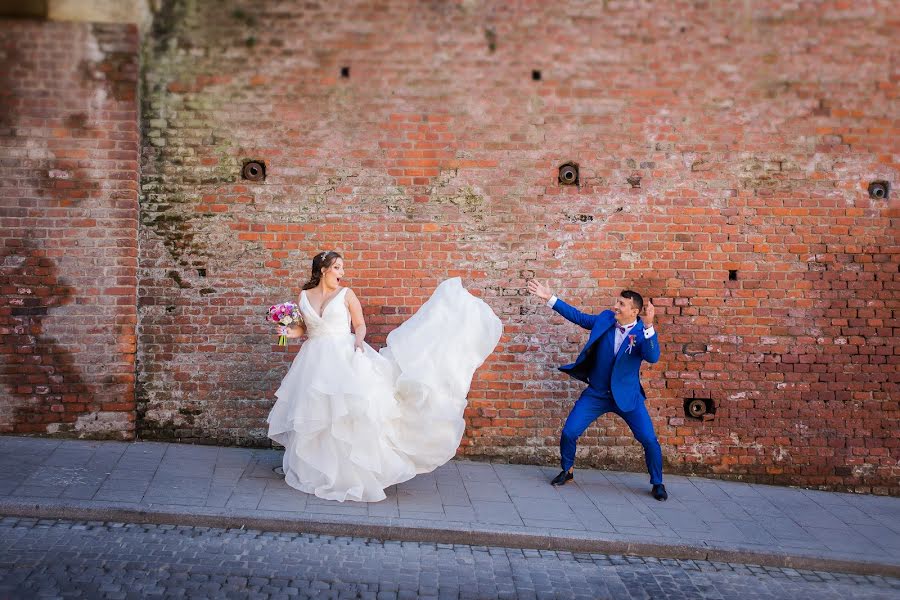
{"x":626,"y":372}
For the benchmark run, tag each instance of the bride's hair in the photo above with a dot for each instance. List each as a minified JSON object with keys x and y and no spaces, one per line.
{"x":321,"y":261}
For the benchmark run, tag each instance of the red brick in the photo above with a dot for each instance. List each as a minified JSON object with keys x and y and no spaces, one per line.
{"x":418,"y":176}
{"x":53,"y":266}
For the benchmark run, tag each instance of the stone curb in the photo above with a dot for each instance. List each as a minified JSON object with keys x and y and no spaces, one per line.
{"x":425,"y":531}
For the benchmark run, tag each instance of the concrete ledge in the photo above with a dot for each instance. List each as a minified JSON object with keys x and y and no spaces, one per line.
{"x":425,"y":531}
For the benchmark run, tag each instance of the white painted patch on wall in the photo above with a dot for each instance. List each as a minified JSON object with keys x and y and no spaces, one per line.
{"x":779,"y":454}
{"x":102,"y":421}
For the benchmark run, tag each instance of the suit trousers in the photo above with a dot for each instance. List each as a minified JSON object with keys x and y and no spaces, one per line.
{"x":593,"y":404}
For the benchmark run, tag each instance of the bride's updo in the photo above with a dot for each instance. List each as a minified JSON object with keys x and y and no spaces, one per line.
{"x":321,"y":261}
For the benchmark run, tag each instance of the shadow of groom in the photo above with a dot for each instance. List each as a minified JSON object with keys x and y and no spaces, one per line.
{"x":39,"y":373}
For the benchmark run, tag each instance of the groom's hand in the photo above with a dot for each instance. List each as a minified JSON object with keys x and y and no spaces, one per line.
{"x":649,"y":314}
{"x":539,"y":289}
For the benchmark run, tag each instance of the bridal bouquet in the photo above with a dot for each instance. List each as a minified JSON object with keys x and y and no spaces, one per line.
{"x":284,"y":314}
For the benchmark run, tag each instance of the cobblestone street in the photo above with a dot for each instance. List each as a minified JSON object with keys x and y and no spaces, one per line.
{"x":65,"y":559}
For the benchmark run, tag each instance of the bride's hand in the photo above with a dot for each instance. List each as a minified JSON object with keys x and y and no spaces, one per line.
{"x":294,"y":330}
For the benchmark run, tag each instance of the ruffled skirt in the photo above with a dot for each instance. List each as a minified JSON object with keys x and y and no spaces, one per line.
{"x":356,"y":422}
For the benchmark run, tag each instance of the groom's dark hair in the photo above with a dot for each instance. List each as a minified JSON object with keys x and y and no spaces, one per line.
{"x":635,"y":298}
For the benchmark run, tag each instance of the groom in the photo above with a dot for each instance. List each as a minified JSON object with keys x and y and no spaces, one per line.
{"x":610,"y":363}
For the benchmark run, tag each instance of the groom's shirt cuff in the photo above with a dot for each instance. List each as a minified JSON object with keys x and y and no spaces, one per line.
{"x":649,"y":332}
{"x":552,"y":301}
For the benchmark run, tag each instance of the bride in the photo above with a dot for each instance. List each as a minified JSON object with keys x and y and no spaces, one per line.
{"x":354,"y":421}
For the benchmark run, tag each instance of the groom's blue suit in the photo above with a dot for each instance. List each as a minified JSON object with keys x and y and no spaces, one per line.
{"x":614,"y":383}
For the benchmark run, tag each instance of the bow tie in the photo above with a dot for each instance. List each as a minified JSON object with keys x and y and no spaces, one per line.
{"x":620,"y":328}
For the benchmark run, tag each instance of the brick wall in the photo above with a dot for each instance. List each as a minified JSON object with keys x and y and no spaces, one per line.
{"x":724,"y":153}
{"x":68,"y":228}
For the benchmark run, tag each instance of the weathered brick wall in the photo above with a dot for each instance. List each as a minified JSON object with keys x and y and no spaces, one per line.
{"x":423,"y":139}
{"x":69,"y":149}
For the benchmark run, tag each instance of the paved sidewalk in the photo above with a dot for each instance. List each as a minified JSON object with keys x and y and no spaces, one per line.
{"x":461,"y":502}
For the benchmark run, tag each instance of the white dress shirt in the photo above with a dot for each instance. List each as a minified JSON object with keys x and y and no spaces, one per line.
{"x":649,"y":332}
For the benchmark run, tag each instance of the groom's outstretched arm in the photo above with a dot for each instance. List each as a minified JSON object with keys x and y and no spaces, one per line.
{"x":573,"y":314}
{"x":569,"y":312}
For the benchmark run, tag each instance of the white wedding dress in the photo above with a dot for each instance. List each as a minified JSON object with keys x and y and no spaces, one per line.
{"x":355,"y":422}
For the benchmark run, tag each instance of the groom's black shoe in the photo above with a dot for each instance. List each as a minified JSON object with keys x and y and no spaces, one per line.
{"x":562,"y":478}
{"x":659,"y":492}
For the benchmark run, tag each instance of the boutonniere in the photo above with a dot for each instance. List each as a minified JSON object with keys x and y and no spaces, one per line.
{"x":631,"y":342}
